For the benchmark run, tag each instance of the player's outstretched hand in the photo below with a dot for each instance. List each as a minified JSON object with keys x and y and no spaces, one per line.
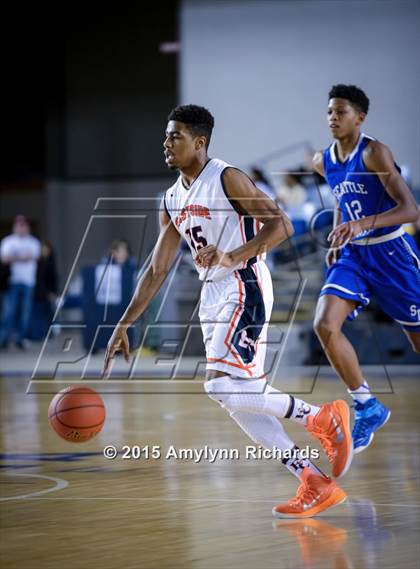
{"x":118,"y":343}
{"x":210,"y":256}
{"x":344,"y":233}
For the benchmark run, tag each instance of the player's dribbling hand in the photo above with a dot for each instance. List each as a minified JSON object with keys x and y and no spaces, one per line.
{"x":210,"y":256}
{"x":344,"y":233}
{"x":117,"y":343}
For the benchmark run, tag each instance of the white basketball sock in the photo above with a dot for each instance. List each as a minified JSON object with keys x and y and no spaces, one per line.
{"x":268,"y":432}
{"x":362,"y":393}
{"x":299,"y":410}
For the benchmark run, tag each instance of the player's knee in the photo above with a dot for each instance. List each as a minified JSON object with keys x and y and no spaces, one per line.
{"x":218,"y":389}
{"x":325,"y":327}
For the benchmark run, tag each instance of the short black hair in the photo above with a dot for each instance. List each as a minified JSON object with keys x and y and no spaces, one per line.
{"x":199,"y":120}
{"x":351,"y":93}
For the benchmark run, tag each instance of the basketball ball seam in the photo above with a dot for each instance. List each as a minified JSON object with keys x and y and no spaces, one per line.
{"x":73,"y":426}
{"x":77,"y":391}
{"x":73,"y":408}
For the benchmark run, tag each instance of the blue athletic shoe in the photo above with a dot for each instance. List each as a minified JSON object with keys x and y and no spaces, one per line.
{"x":369,"y":417}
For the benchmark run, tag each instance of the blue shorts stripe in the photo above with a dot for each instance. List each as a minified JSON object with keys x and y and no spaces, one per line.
{"x":252,"y":320}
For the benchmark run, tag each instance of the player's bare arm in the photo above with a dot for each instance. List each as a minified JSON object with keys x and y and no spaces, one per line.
{"x":250,"y":201}
{"x":379,"y":160}
{"x":148,"y":286}
{"x":333,"y":252}
{"x":318,"y":163}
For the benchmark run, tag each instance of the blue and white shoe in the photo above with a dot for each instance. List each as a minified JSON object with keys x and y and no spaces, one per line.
{"x":369,"y":417}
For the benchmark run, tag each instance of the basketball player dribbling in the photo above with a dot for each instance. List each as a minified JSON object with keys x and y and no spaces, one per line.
{"x":376,"y":258}
{"x":229,"y":225}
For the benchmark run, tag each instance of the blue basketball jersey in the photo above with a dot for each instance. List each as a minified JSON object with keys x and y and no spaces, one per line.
{"x":382,"y":262}
{"x":359,"y":192}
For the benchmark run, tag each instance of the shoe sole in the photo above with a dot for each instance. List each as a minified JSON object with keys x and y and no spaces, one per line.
{"x":345,"y":425}
{"x":362,"y":448}
{"x":337,"y":497}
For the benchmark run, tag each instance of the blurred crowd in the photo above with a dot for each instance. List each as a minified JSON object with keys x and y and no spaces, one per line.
{"x":29,"y":284}
{"x":300,"y":192}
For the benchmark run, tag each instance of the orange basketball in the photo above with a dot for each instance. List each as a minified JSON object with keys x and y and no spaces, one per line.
{"x":77,"y":413}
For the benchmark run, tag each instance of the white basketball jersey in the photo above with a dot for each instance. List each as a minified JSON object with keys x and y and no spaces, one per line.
{"x":203,"y":215}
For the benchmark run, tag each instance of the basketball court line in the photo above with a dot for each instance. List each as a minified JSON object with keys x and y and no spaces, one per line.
{"x":167,"y":499}
{"x":59,"y":485}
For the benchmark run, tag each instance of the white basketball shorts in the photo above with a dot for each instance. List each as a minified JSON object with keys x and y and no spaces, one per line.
{"x":234,"y":315}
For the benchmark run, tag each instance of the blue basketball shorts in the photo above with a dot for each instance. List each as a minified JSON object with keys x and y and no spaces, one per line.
{"x":390,"y":270}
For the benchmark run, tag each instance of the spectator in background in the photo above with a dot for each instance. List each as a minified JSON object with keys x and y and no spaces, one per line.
{"x":109,"y":273}
{"x":20,"y":251}
{"x":292,"y":194}
{"x":262,"y":183}
{"x":45,"y":293}
{"x":120,"y":253}
{"x":106,"y":288}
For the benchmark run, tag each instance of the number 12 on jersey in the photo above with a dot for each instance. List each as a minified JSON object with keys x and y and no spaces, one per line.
{"x":354,"y":210}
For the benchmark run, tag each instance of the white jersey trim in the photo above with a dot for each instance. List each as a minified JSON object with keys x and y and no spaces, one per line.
{"x":410,"y":250}
{"x":382,"y":239}
{"x":347,"y":291}
{"x":354,"y":151}
{"x":408,"y":323}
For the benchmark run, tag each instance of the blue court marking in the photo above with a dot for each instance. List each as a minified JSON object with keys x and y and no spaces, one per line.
{"x":49,"y":456}
{"x":15,"y":466}
{"x":102,"y":469}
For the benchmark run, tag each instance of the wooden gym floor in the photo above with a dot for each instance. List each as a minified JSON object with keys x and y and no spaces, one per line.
{"x":65,"y":506}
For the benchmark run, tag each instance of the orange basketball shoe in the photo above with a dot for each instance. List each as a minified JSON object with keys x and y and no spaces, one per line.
{"x":331,"y":426}
{"x":315,"y":494}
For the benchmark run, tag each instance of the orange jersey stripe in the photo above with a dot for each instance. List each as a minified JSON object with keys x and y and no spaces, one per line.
{"x":245,"y":368}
